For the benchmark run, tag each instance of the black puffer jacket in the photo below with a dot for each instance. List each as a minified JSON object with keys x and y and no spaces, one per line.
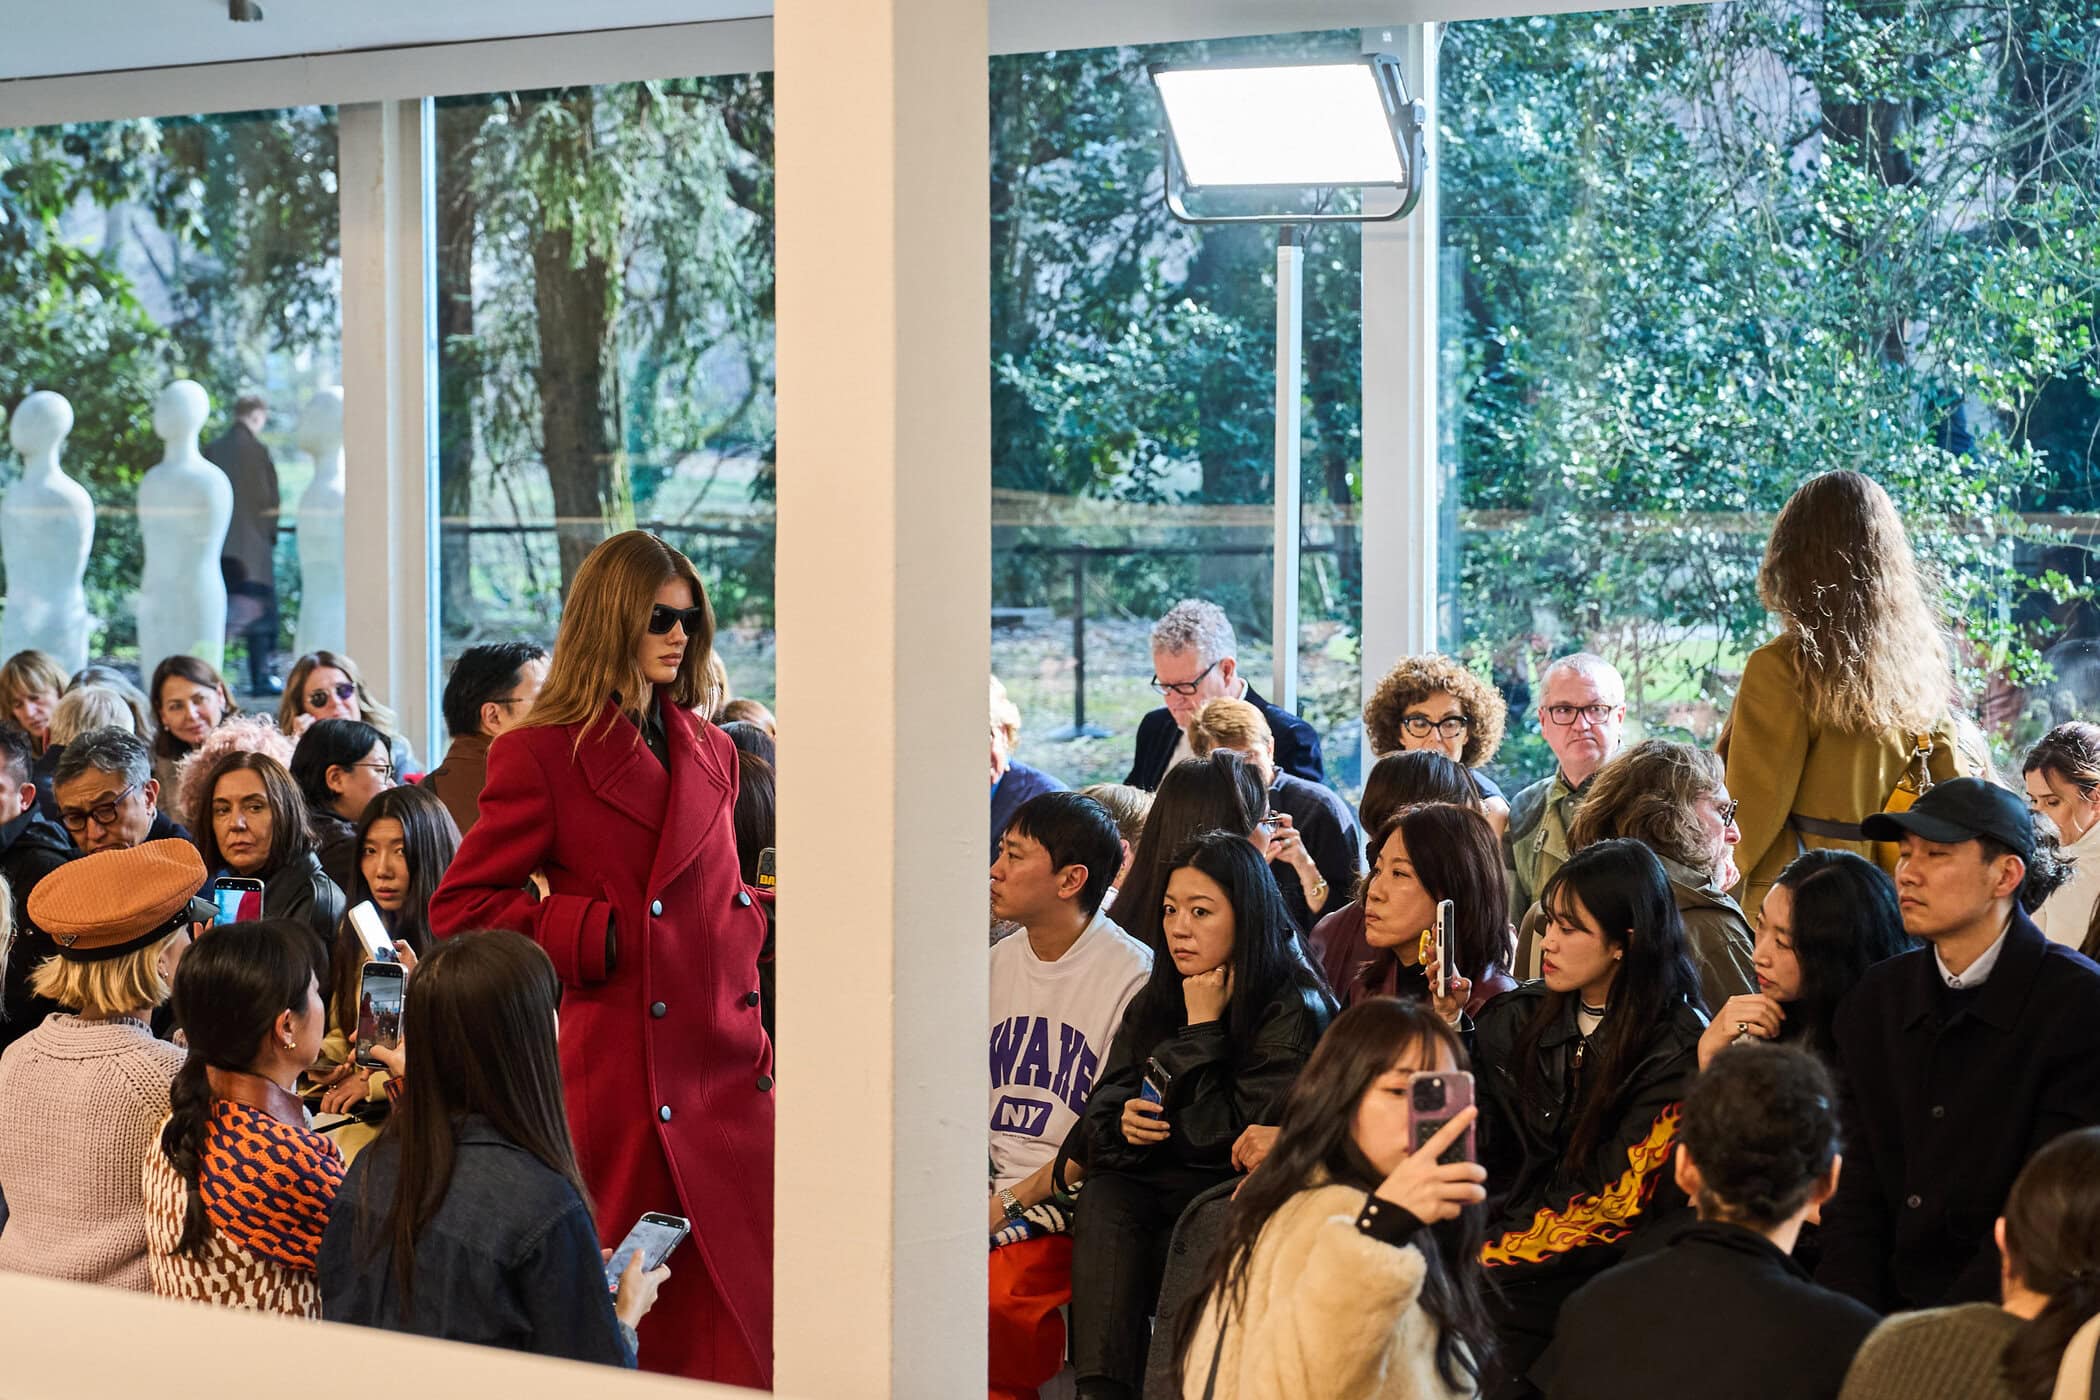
{"x":1549,"y":1213}
{"x":31,"y":847}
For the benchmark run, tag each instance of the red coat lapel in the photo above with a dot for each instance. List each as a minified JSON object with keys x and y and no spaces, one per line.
{"x":699,"y":789}
{"x":622,"y":771}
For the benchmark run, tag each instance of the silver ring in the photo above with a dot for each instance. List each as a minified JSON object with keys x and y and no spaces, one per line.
{"x":1742,"y":1028}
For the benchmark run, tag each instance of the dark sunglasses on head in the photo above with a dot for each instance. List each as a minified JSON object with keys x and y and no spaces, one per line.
{"x":663,"y":619}
{"x":315,"y":699}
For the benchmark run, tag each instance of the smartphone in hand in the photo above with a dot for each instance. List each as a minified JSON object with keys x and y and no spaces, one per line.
{"x":1434,"y":1098}
{"x":1444,"y":917}
{"x":378,"y":1010}
{"x":653,"y":1237}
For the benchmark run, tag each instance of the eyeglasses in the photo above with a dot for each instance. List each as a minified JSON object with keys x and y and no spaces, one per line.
{"x":1422,"y":726}
{"x":342,"y":690}
{"x":663,"y":619}
{"x":385,"y":770}
{"x":1565,"y":714}
{"x":1726,"y":812}
{"x":1184,"y":687}
{"x":103,"y":814}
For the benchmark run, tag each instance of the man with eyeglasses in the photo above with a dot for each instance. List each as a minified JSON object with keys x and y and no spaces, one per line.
{"x":31,"y":847}
{"x":490,"y":690}
{"x":1582,"y":712}
{"x":1194,"y":659}
{"x":107,"y":797}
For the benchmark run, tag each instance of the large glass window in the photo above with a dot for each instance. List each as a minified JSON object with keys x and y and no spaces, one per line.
{"x":605,"y":341}
{"x":1133,"y":411}
{"x":134,"y":255}
{"x":1696,"y":254}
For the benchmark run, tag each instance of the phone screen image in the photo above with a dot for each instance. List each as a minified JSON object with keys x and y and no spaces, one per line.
{"x":654,"y":1236}
{"x":378,"y":1010}
{"x":237,"y":901}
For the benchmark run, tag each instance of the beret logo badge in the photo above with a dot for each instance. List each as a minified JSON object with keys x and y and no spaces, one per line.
{"x":68,"y":940}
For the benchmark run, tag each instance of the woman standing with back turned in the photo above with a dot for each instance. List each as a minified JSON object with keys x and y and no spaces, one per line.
{"x":1851,"y":698}
{"x":605,"y":836}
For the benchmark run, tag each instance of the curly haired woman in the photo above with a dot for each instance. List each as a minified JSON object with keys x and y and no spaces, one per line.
{"x":1433,"y":702}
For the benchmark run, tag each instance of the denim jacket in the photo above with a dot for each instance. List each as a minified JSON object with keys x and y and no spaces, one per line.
{"x":510,"y":1259}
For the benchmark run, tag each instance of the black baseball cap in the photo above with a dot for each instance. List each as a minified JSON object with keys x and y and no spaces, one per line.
{"x":1961,"y":809}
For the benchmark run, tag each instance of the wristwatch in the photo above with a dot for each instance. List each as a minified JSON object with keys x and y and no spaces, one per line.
{"x":1011,"y":1204}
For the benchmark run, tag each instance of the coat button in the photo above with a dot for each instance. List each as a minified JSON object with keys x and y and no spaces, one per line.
{"x":1939,"y":1110}
{"x":751,"y":998}
{"x":1914,"y":1202}
{"x":656,"y":908}
{"x":664,"y":1113}
{"x":743,"y":899}
{"x":765,"y":1082}
{"x":657,"y":1009}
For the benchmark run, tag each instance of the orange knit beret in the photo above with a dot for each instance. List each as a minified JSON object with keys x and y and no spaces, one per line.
{"x":111,"y":902}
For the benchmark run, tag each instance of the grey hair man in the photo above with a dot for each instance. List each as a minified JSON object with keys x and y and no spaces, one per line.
{"x":106,"y":795}
{"x":1582,"y":713}
{"x":1195,"y":657}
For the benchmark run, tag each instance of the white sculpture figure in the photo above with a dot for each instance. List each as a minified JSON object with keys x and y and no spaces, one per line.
{"x":47,"y":524}
{"x":184,"y":505}
{"x":321,"y":620}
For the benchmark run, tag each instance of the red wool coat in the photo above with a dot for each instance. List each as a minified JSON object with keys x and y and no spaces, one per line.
{"x":667,"y":1072}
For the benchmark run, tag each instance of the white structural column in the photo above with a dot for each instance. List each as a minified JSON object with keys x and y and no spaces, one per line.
{"x":1401,"y":475}
{"x":883,"y":607}
{"x":1290,"y":400}
{"x":389,"y":537}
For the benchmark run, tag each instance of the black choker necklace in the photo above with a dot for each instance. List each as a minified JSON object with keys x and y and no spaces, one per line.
{"x":1589,"y":1010}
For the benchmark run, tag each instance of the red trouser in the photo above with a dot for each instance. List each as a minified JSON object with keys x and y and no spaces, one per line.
{"x":1030,"y":1282}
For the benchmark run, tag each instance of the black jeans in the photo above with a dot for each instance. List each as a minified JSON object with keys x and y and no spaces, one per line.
{"x":1119,"y":1251}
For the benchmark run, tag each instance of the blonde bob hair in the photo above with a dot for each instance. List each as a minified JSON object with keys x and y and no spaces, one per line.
{"x":90,"y":707}
{"x":1229,"y":724}
{"x":28,"y":673}
{"x":602,"y":625}
{"x":116,"y":986}
{"x":1646,"y":794}
{"x":1840,"y":574}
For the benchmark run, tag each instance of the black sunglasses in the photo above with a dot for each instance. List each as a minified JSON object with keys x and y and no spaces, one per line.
{"x":663,"y":619}
{"x":315,"y":699}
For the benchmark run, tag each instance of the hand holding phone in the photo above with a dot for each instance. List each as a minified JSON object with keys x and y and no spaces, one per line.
{"x":371,"y":931}
{"x":650,"y":1242}
{"x":1432,"y":1182}
{"x":378,"y":1010}
{"x":238,"y":899}
{"x":1443,"y":948}
{"x":1436,"y":1098}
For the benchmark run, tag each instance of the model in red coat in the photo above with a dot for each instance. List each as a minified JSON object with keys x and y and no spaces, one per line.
{"x":605,"y":835}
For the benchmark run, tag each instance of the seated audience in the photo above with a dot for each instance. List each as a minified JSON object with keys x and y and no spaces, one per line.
{"x":2048,"y":1248}
{"x":1957,"y":1061}
{"x":748,"y":711}
{"x":1831,"y":916}
{"x":1435,"y":703}
{"x":326,"y":685}
{"x":189,"y":700}
{"x":137,"y":709}
{"x":1582,"y":714}
{"x":1128,"y":807}
{"x":1013,"y":782}
{"x":1219,"y":793}
{"x":31,"y":847}
{"x":81,"y":1094}
{"x":85,"y":708}
{"x":1350,"y":1264}
{"x":340,"y":765}
{"x":1312,"y":833}
{"x":1672,"y":799}
{"x":107,"y":797}
{"x":405,"y":842}
{"x":467,"y":1219}
{"x":245,"y":734}
{"x":1059,"y":991}
{"x":238,"y":1185}
{"x":1422,"y":856}
{"x":251,"y":823}
{"x":2062,"y":772}
{"x":30,"y":684}
{"x":491,"y":688}
{"x":1757,"y":1153}
{"x":753,"y":819}
{"x":1195,"y":658}
{"x":1581,"y":1074}
{"x":1397,"y":780}
{"x":750,"y":739}
{"x":1220,"y":1029}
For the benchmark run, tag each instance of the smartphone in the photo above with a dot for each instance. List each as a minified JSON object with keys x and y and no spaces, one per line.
{"x":1443,"y":946}
{"x":371,"y":931}
{"x":378,"y":1010}
{"x":1434,"y":1098}
{"x":1153,"y":1087}
{"x":654,"y":1236}
{"x":238,"y":900}
{"x":766,"y":878}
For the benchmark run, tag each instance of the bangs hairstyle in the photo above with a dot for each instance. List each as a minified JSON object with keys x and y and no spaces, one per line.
{"x":1839,"y":572}
{"x":602,"y":625}
{"x":290,"y":707}
{"x":1316,"y":1143}
{"x":114,"y":986}
{"x":480,"y":1012}
{"x":1073,"y":830}
{"x":1414,"y":679}
{"x":1219,"y":793}
{"x":1411,"y":778}
{"x":291,"y":833}
{"x":429,"y":840}
{"x":197,"y":671}
{"x":28,"y":673}
{"x":1456,"y":856}
{"x":1646,"y":794}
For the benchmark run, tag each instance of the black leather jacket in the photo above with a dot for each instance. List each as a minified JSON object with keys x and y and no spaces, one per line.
{"x":300,"y":891}
{"x":1551,"y":1212}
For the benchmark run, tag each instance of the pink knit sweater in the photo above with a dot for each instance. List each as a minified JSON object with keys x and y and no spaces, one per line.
{"x":78,"y":1102}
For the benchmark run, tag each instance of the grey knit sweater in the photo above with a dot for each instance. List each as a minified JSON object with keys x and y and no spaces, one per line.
{"x":78,"y":1102}
{"x":1938,"y":1354}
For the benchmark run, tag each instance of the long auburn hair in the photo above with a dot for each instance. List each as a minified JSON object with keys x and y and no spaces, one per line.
{"x":1845,"y":920}
{"x":230,"y":988}
{"x":1456,"y":857}
{"x":197,"y":671}
{"x":429,"y":840}
{"x":1624,"y":889}
{"x":479,"y":1012}
{"x":2052,"y":1243}
{"x":1316,"y":1144}
{"x":1840,"y":574}
{"x":1222,"y":792}
{"x":372,"y":711}
{"x":602,"y":623}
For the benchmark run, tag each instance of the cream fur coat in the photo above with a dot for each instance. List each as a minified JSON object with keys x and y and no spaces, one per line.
{"x":1329,"y":1315}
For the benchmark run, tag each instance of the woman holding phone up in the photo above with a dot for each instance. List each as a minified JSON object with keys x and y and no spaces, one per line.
{"x":606,"y":836}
